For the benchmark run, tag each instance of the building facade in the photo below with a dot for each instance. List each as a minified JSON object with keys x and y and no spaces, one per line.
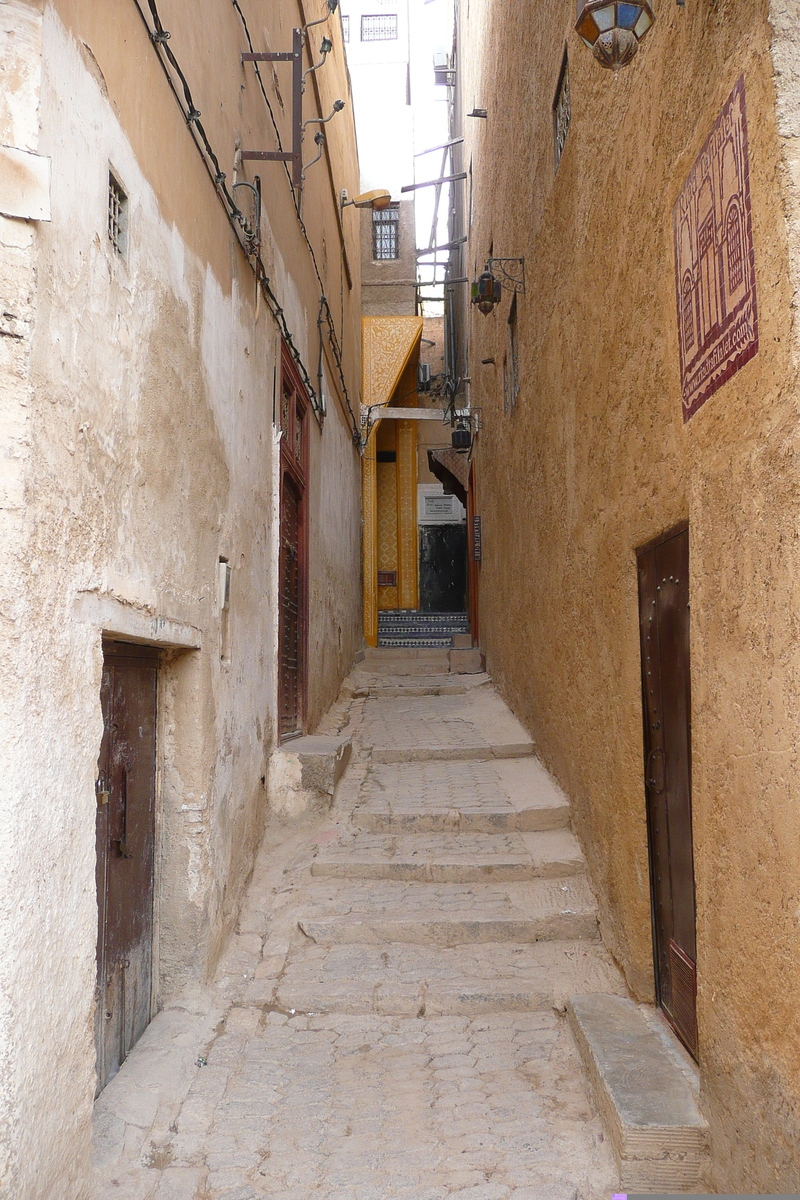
{"x":637,"y":485}
{"x":180,"y":365}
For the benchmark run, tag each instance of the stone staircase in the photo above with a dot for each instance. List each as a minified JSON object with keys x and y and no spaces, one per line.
{"x":455,"y":887}
{"x":456,"y":884}
{"x":411,"y":629}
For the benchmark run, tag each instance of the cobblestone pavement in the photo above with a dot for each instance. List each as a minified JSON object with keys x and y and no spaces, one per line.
{"x":387,"y":1020}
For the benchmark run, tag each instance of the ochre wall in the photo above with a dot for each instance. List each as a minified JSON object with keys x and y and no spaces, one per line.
{"x":596,"y":460}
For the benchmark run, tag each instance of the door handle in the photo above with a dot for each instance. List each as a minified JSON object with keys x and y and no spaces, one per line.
{"x":655,"y":770}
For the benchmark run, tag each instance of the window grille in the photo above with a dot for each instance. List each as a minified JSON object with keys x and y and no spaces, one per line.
{"x":117,"y":216}
{"x":562,"y":111}
{"x":345,"y":28}
{"x":734,"y":239}
{"x":379,"y":27}
{"x":386,"y":233}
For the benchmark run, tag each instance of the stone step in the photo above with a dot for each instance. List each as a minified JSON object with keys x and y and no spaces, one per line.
{"x":415,"y":641}
{"x":405,"y":754}
{"x":406,"y":661}
{"x":498,"y":796}
{"x":463,"y":858}
{"x":399,"y":979}
{"x":450,"y":914}
{"x":659,"y":1136}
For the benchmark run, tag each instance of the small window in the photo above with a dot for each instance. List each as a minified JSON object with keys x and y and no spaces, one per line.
{"x":386,"y":233}
{"x":513,"y":357}
{"x":345,"y":28}
{"x":379,"y":27}
{"x":562,"y":111}
{"x":117,"y":216}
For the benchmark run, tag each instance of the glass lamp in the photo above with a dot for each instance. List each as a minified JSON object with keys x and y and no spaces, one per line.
{"x":486,"y":292}
{"x":612,"y":31}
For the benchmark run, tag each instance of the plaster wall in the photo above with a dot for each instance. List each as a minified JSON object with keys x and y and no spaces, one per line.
{"x":595,"y":461}
{"x":138,"y":448}
{"x":389,"y":285}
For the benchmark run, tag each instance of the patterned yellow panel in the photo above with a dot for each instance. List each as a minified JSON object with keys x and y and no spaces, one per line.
{"x":407,"y":537}
{"x":387,"y":346}
{"x":370,"y":540}
{"x":387,"y":530}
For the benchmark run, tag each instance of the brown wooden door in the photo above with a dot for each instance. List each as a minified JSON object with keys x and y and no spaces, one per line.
{"x":290,"y":715}
{"x":125,"y":839}
{"x":293,"y":564}
{"x":664,"y":625}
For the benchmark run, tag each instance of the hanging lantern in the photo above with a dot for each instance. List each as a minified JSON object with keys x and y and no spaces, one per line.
{"x":612,"y":31}
{"x":461,"y":437}
{"x":486,"y":292}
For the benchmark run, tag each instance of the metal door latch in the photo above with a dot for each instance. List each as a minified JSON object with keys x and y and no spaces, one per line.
{"x":121,"y":848}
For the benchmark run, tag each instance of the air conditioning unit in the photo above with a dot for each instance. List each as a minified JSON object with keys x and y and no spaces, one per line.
{"x":443,"y":74}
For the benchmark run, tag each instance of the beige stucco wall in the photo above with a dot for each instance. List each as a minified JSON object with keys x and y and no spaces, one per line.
{"x":138,"y":447}
{"x":596,"y":460}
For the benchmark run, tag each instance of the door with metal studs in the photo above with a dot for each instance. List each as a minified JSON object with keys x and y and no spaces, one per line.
{"x":666,"y":695}
{"x":125,"y":841}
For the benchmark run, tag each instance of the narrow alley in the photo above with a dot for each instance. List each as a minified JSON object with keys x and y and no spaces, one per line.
{"x":389,"y":1019}
{"x":400,"y":603}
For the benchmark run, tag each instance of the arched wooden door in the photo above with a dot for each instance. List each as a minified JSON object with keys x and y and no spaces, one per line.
{"x":293,"y":562}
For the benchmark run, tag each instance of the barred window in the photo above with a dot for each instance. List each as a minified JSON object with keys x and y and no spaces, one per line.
{"x":345,"y":28}
{"x":386,"y":233}
{"x":117,"y":216}
{"x":379,"y":27}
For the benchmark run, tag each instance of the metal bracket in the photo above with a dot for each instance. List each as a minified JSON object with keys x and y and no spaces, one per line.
{"x":510,"y":273}
{"x":295,"y":155}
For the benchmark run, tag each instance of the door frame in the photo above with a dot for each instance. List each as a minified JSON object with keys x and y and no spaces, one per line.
{"x":653,"y":544}
{"x":298,"y":474}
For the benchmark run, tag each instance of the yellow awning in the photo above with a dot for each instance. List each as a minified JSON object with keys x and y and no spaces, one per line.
{"x":388,"y":344}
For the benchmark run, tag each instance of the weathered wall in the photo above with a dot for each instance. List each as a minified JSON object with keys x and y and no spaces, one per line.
{"x":136,"y":419}
{"x":596,"y":460}
{"x":389,"y":285}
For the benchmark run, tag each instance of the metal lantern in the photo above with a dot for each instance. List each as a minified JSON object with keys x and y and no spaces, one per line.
{"x":486,"y":292}
{"x":461,"y":437}
{"x":612,"y":31}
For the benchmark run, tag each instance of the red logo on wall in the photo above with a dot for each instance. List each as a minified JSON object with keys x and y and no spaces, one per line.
{"x":714,"y":260}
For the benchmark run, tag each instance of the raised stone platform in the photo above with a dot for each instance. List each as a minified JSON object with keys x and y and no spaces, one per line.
{"x":303,"y":773}
{"x":659,"y":1136}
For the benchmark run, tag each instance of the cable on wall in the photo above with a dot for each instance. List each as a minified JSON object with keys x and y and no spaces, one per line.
{"x":334,"y":341}
{"x":191,"y":115}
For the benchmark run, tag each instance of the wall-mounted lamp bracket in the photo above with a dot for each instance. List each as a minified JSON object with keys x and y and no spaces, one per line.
{"x":509,"y":273}
{"x":295,"y":155}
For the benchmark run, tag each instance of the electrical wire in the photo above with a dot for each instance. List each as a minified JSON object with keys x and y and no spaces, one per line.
{"x":160,"y":38}
{"x":334,"y":341}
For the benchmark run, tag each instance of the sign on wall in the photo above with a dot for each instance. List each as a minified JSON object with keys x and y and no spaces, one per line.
{"x":714,"y":260}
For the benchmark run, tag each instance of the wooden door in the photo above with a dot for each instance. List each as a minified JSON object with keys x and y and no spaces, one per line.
{"x":293,"y":564}
{"x":125,"y":841}
{"x":666,"y":688}
{"x":290,"y":716}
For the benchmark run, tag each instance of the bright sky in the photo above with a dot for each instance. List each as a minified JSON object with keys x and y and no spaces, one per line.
{"x":431,"y":29}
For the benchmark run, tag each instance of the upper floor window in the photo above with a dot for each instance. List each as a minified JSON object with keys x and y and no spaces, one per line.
{"x":117,"y":216}
{"x":562,"y":111}
{"x":345,"y":28}
{"x":513,"y":356}
{"x":379,"y":27}
{"x":386,"y":233}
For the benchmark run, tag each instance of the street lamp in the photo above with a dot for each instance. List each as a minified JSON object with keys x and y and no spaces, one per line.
{"x":377,"y":200}
{"x":612,"y":31}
